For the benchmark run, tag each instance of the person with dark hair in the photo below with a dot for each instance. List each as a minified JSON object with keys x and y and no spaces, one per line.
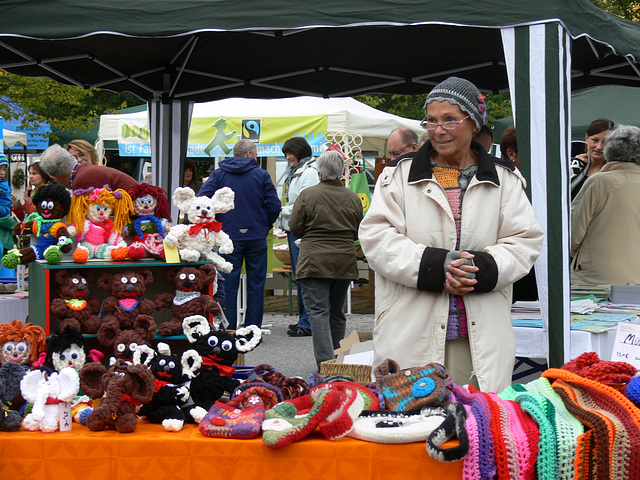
{"x":484,"y":137}
{"x":402,"y":141}
{"x":326,"y":218}
{"x":447,"y":233}
{"x":190,"y":176}
{"x":509,"y":146}
{"x":248,"y":225}
{"x":37,"y":178}
{"x":605,"y":218}
{"x":302,"y":173}
{"x":592,"y":161}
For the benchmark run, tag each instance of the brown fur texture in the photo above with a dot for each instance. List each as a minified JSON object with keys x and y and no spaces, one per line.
{"x":192,"y":279}
{"x":124,"y":387}
{"x":126,"y":301}
{"x":73,"y":287}
{"x":125,"y":342}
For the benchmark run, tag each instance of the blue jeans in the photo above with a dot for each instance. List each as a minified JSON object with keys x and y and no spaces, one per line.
{"x":294,"y":250}
{"x":254,"y":254}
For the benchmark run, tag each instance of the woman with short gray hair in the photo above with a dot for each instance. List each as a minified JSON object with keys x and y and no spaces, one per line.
{"x":326,"y":218}
{"x":605,"y":218}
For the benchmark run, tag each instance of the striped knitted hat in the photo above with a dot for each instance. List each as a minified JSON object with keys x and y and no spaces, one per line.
{"x":4,"y":160}
{"x":461,"y":92}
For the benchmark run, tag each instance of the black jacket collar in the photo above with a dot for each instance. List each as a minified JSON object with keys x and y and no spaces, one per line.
{"x":421,"y":165}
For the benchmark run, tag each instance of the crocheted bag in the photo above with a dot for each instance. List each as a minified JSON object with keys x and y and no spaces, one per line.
{"x":226,"y":421}
{"x":412,"y":388}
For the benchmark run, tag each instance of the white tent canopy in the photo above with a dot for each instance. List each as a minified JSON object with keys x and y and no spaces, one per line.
{"x":345,"y":115}
{"x":10,"y":138}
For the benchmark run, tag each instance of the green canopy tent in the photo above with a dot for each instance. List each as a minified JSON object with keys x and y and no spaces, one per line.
{"x":174,"y":53}
{"x":620,"y":104}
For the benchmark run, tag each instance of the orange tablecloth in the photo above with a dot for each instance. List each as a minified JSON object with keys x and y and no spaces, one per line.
{"x":153,"y":453}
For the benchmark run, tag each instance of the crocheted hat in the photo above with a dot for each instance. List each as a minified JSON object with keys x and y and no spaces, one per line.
{"x":633,"y":391}
{"x":613,"y":374}
{"x":250,"y":394}
{"x":4,"y":160}
{"x":461,"y":92}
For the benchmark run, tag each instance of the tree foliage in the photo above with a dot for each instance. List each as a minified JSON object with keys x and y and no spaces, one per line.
{"x":64,"y":107}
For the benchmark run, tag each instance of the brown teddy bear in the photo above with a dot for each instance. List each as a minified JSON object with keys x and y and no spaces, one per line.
{"x":188,"y":299}
{"x":127,"y":300}
{"x":125,"y":342}
{"x":124,"y":386}
{"x":75,"y":308}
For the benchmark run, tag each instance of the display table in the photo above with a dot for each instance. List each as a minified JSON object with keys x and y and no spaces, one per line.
{"x":533,"y":343}
{"x":153,"y":453}
{"x":14,"y":306}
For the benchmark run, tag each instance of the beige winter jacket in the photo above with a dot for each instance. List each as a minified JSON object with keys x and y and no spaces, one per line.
{"x":605,"y":227}
{"x":406,"y":235}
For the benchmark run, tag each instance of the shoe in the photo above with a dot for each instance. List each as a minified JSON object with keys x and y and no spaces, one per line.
{"x":299,"y":332}
{"x":293,"y":326}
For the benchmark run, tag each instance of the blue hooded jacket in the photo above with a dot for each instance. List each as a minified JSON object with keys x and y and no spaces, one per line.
{"x":257,"y":204}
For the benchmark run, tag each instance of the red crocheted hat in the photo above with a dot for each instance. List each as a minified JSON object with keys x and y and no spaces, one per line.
{"x":613,"y":374}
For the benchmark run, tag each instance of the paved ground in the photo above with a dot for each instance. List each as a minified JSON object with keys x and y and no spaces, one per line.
{"x":294,"y":356}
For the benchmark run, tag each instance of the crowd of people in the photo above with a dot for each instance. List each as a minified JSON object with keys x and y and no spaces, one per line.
{"x":450,"y":232}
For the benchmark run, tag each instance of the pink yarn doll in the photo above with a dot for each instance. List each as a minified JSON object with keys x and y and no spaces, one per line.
{"x":98,"y":235}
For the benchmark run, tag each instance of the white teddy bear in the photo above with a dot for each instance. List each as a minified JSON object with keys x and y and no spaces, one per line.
{"x":46,"y":391}
{"x":204,"y":236}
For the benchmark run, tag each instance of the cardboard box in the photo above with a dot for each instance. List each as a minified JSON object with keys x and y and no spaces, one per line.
{"x":356,"y":344}
{"x":625,"y":294}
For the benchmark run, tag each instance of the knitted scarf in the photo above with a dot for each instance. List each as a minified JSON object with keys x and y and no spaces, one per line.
{"x":610,"y":447}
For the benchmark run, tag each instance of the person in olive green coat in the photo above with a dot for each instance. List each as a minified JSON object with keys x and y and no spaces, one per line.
{"x":326,"y":218}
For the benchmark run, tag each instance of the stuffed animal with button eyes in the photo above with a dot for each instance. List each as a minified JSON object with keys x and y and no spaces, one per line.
{"x":203,"y":238}
{"x":219,"y":350}
{"x":171,"y":392}
{"x":74,"y":307}
{"x":126,"y":301}
{"x":46,"y":223}
{"x":126,"y":342}
{"x":188,"y":298}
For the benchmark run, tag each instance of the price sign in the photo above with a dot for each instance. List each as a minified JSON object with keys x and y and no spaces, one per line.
{"x":627,"y":344}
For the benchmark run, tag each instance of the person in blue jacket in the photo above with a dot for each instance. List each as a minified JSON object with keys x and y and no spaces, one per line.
{"x":257,"y":207}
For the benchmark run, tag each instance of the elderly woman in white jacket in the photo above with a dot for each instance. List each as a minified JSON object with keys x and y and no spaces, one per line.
{"x":448,"y":232}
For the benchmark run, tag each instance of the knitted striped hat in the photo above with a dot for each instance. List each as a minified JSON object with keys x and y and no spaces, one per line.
{"x":4,"y":160}
{"x":461,"y":92}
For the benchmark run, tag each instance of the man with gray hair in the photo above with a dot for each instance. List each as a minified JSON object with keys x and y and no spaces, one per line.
{"x":248,"y":224}
{"x":326,"y":218}
{"x":62,"y":167}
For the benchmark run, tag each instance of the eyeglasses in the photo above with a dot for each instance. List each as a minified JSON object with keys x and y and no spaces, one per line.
{"x":450,"y":125}
{"x":400,"y":152}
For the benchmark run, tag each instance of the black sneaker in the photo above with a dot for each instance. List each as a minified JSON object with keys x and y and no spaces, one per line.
{"x":299,"y":332}
{"x":293,"y":326}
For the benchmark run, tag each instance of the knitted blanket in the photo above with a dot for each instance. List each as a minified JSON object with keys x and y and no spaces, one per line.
{"x":610,"y":446}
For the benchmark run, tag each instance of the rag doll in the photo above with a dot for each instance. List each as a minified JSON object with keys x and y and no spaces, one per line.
{"x":98,"y":235}
{"x":188,"y":299}
{"x":122,"y":387}
{"x":46,"y":223}
{"x":74,"y":307}
{"x":171,"y":392}
{"x":219,"y":350}
{"x":151,"y":220}
{"x":203,"y":238}
{"x":70,"y":349}
{"x":126,"y":300}
{"x":48,"y":392}
{"x":21,"y":343}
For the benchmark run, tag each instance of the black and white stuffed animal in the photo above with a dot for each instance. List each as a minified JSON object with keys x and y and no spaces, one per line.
{"x":219,"y":350}
{"x":171,"y":391}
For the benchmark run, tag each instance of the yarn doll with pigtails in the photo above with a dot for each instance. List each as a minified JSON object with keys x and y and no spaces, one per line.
{"x":151,"y":220}
{"x":98,"y":235}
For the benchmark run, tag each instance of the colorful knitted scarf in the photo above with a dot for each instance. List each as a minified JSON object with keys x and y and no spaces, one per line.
{"x":610,"y":446}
